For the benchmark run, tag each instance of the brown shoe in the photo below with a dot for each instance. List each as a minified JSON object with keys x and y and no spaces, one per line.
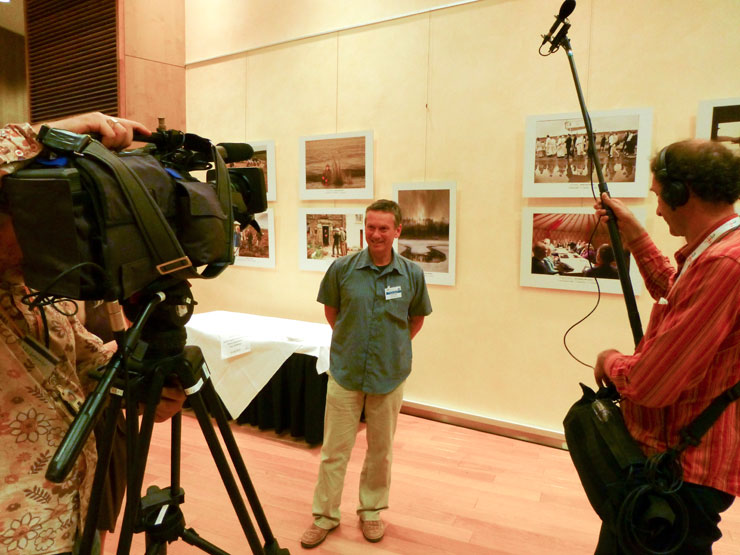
{"x":373,"y":530}
{"x":313,"y":536}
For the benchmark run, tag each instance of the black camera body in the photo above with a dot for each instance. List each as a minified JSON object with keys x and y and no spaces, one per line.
{"x":93,"y":224}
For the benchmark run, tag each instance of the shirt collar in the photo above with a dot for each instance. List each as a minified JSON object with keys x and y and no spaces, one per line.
{"x":367,"y":262}
{"x":683,"y":253}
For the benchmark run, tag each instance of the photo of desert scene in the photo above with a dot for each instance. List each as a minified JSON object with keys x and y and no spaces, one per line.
{"x":561,"y":149}
{"x":333,"y":235}
{"x":335,"y":163}
{"x":425,"y":235}
{"x":560,"y":246}
{"x":258,"y":160}
{"x":254,"y":244}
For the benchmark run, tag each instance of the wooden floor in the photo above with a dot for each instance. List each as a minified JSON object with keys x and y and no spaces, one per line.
{"x":455,"y":491}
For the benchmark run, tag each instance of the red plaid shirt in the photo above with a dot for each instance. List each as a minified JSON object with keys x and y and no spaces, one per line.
{"x":689,"y":355}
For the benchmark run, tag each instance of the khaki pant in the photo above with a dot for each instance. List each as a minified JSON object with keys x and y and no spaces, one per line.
{"x":341,"y":419}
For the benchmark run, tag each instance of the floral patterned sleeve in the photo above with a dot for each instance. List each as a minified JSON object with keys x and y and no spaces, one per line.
{"x":91,"y":353}
{"x":18,"y":145}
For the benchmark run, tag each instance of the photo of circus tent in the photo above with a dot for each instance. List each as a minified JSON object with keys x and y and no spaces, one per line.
{"x":562,"y":250}
{"x":428,"y":228}
{"x":557,"y":163}
{"x":566,"y":227}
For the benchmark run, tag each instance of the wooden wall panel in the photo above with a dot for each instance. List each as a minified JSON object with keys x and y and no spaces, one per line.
{"x":72,"y":57}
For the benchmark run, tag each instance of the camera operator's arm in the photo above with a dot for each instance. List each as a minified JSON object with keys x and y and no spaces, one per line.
{"x":115,"y":133}
{"x":18,"y":144}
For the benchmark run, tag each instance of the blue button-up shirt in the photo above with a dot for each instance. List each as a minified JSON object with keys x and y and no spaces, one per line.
{"x":371,"y":341}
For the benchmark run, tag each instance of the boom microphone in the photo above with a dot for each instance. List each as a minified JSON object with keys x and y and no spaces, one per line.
{"x":565,"y":10}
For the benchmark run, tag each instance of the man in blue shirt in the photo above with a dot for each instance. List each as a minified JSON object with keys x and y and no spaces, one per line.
{"x":375,"y":301}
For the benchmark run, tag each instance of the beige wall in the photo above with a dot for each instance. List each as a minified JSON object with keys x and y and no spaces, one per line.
{"x":13,"y":89}
{"x":153,"y":68}
{"x":446,"y":94}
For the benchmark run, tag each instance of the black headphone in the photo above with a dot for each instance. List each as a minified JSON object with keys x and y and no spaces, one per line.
{"x":673,"y":192}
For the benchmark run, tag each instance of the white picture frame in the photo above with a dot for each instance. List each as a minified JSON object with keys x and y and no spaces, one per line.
{"x":719,"y":120}
{"x":263,"y":158}
{"x":429,"y":228}
{"x":556,"y":228}
{"x":338,"y":166}
{"x":255,"y":251}
{"x":316,"y":235}
{"x":556,"y":167}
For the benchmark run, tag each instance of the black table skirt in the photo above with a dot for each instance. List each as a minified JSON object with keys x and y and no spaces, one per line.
{"x":293,"y":400}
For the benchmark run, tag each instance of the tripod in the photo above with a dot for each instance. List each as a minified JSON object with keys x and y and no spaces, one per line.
{"x":151,"y":353}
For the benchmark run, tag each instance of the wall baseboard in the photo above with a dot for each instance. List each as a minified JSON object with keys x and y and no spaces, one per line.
{"x":531,"y":434}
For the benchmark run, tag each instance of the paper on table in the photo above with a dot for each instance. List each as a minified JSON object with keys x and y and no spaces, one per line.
{"x":234,"y":345}
{"x":270,"y":341}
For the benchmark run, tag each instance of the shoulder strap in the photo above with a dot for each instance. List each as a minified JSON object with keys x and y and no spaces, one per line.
{"x":691,"y":435}
{"x":152,"y":224}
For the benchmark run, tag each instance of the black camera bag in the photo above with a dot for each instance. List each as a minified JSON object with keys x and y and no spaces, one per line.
{"x":635,"y":496}
{"x":106,"y":225}
{"x":602,"y":449}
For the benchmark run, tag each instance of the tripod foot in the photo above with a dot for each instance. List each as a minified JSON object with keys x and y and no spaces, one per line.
{"x":274,"y":549}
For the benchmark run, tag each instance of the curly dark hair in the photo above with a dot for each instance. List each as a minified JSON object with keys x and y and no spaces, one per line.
{"x":709,"y":169}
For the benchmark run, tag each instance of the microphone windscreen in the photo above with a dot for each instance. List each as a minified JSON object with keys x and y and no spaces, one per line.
{"x":567,"y":8}
{"x":235,"y":152}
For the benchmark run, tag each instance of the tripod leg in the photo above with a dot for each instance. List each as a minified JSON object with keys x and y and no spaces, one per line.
{"x":217,"y":410}
{"x":105,"y":445}
{"x":195,"y":358}
{"x":223,"y":467}
{"x":135,"y":457}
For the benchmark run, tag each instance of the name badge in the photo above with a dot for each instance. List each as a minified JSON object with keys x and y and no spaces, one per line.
{"x":393,"y":293}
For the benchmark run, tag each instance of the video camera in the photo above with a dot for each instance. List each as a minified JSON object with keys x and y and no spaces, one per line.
{"x":93,"y":224}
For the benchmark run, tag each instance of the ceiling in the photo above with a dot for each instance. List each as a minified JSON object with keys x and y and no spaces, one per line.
{"x":11,"y":16}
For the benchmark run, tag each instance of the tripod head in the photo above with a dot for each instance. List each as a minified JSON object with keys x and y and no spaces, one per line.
{"x":159,"y":313}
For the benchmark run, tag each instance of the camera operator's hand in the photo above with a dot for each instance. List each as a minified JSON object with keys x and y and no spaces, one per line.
{"x":170,"y":403}
{"x":115,"y":133}
{"x":629,"y":227}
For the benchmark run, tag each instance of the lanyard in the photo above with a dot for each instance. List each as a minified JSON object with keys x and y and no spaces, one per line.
{"x":729,"y":225}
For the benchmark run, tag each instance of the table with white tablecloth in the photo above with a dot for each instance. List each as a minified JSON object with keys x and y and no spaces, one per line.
{"x":268,"y":371}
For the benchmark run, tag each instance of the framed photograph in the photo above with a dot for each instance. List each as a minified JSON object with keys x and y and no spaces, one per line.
{"x":257,"y":248}
{"x":428,"y":233}
{"x":556,"y":162}
{"x":556,"y":253}
{"x":719,"y":120}
{"x":264,"y":159}
{"x":336,"y":167}
{"x":330,"y":233}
